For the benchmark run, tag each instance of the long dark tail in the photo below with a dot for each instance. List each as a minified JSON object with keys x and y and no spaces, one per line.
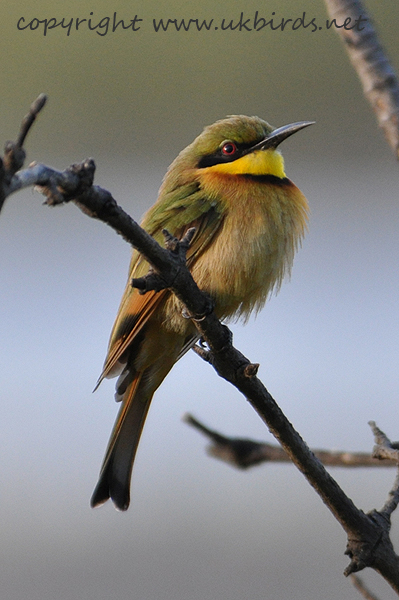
{"x":115,"y":475}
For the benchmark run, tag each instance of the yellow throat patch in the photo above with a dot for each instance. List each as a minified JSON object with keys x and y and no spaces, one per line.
{"x":260,"y":162}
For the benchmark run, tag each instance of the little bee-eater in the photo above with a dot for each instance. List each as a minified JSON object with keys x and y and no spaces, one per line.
{"x":249,"y":218}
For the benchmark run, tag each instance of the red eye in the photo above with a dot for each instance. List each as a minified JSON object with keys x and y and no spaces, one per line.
{"x":229,"y":149}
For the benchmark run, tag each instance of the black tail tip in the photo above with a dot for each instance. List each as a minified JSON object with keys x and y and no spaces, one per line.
{"x":118,"y":493}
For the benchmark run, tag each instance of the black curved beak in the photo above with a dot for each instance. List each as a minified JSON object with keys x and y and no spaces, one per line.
{"x":279,"y":135}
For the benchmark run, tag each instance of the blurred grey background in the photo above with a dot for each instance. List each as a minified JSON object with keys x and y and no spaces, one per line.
{"x":327,"y":344}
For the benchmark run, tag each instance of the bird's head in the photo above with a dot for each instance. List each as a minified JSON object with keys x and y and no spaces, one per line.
{"x":237,"y":145}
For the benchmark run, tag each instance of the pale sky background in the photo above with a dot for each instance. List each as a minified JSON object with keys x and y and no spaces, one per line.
{"x":327,"y":344}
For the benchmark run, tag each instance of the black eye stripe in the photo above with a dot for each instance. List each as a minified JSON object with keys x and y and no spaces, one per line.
{"x":220,"y":156}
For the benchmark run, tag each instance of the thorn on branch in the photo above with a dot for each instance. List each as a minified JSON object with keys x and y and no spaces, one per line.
{"x":251,"y":370}
{"x":361,"y":553}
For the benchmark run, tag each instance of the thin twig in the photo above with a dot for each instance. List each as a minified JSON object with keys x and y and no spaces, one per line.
{"x":30,"y":118}
{"x":14,"y":154}
{"x":244,"y":453}
{"x":362,"y":589}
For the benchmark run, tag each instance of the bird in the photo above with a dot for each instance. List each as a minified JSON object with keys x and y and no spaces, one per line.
{"x":249,"y":219}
